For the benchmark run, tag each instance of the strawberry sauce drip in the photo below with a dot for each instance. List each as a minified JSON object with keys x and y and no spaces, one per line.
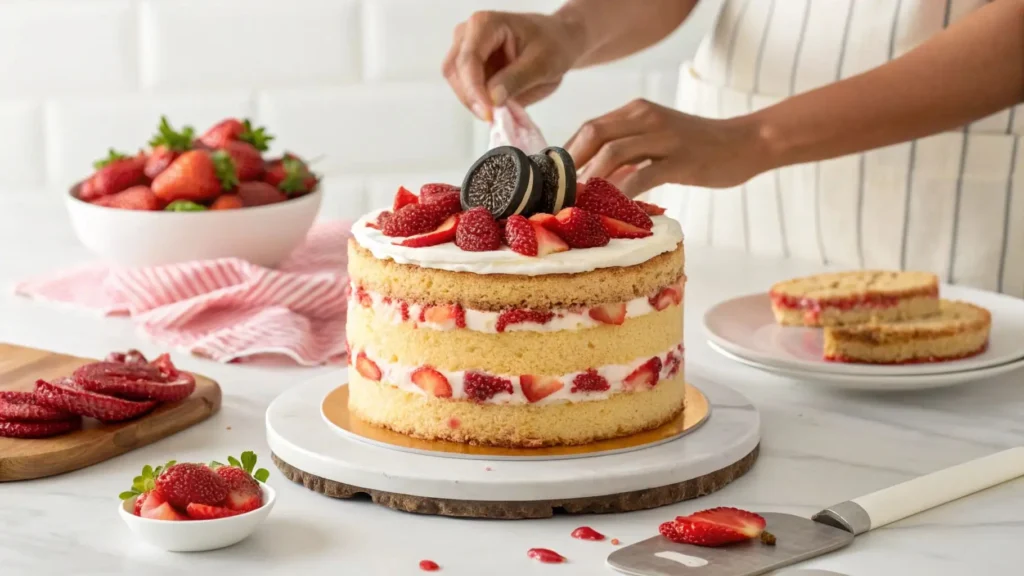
{"x":546,"y":556}
{"x":587,"y":533}
{"x":429,"y":566}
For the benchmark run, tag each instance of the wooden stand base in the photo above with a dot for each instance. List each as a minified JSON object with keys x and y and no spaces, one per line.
{"x":612,"y":503}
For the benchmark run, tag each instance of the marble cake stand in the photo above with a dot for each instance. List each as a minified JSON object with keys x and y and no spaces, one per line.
{"x":308,"y":451}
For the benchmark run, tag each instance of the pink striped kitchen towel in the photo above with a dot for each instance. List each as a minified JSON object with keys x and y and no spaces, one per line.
{"x":225,"y":309}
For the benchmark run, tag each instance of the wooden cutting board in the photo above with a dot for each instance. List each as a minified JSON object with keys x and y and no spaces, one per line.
{"x":25,"y":459}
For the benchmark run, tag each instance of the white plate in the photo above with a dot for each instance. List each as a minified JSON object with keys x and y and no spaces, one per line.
{"x":746,"y":327}
{"x":882,"y":383}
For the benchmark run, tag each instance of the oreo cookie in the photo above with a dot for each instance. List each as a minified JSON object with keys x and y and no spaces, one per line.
{"x":505,"y":181}
{"x":559,"y":175}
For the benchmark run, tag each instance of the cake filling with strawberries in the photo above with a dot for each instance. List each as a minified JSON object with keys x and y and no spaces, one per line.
{"x":589,"y":385}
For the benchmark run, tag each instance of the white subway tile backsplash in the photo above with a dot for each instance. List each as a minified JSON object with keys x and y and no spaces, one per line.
{"x":366,"y":128}
{"x":231,"y":43}
{"x":78,"y":131}
{"x":21,"y":144}
{"x":69,"y":46}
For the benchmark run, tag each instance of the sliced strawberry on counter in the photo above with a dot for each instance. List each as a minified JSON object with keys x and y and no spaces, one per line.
{"x":444,"y":315}
{"x":600,"y":196}
{"x":196,"y":175}
{"x":477,"y":231}
{"x":480,"y":387}
{"x":444,"y":233}
{"x":619,"y":229}
{"x":64,"y":394}
{"x":432,"y":382}
{"x":227,"y":202}
{"x":17,"y":405}
{"x":247,"y":160}
{"x":404,"y":197}
{"x":367,"y":368}
{"x":547,"y":241}
{"x":580,"y":229}
{"x":520,"y":235}
{"x":207,"y":512}
{"x":410,"y":220}
{"x":537,"y":388}
{"x":39,"y":428}
{"x":113,"y":174}
{"x":714,"y":527}
{"x":646,"y":376}
{"x":589,"y":381}
{"x":519,"y":316}
{"x":667,"y":296}
{"x":259,"y":194}
{"x":650,"y":209}
{"x":134,"y":198}
{"x":186,"y":483}
{"x":291,"y":175}
{"x":428,"y":191}
{"x":609,"y":313}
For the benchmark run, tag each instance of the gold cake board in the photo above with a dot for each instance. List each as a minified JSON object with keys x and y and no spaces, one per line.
{"x":334,"y":409}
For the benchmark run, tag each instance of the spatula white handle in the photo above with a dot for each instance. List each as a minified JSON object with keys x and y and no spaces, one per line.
{"x":927,"y":492}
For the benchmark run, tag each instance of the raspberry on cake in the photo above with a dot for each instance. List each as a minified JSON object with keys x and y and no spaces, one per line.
{"x":525,"y":329}
{"x":958,"y":330}
{"x":851,"y":298}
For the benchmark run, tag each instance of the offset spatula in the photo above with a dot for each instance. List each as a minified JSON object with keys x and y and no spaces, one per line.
{"x":799,"y":539}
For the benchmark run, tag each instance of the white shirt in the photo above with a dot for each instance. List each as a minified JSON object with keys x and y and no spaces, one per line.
{"x":952,"y":203}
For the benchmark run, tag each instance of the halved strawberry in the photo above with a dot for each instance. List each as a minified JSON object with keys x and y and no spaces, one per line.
{"x":650,"y":209}
{"x":428,"y":191}
{"x":188,"y":482}
{"x":646,"y":376}
{"x":609,"y":313}
{"x":602,"y":197}
{"x":157,"y":508}
{"x":432,"y":382}
{"x":667,"y":296}
{"x":207,"y":512}
{"x":444,"y":233}
{"x":410,"y":220}
{"x":547,"y":241}
{"x":520,"y":235}
{"x":714,"y":527}
{"x":619,"y":229}
{"x":536,"y":388}
{"x":580,"y":229}
{"x":546,"y":220}
{"x":404,"y":197}
{"x":445,"y":315}
{"x":367,"y":368}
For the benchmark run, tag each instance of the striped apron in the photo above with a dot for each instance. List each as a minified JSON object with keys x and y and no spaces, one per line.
{"x":952,"y":203}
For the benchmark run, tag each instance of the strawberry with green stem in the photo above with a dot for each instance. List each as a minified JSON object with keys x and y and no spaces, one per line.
{"x":143,"y":484}
{"x":196,"y":175}
{"x":167,"y":144}
{"x":244,"y":493}
{"x":113,"y":174}
{"x":291,"y":175}
{"x":232,"y":130}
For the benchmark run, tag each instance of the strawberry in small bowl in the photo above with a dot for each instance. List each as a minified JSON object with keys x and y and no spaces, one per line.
{"x":186,"y":198}
{"x":191,"y":507}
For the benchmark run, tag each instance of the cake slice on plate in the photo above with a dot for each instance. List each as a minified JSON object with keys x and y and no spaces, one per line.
{"x":959,"y":330}
{"x":852,"y":298}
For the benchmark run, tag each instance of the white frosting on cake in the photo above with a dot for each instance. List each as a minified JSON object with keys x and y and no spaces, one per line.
{"x":400,"y":376}
{"x":619,"y":252}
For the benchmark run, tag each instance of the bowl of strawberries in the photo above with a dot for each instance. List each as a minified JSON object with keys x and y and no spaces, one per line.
{"x":193,"y":507}
{"x":196,"y":198}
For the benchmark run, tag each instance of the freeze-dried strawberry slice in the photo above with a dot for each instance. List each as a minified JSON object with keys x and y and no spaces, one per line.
{"x":39,"y":429}
{"x":519,"y":316}
{"x":23,"y":406}
{"x":134,"y":381}
{"x":63,"y":394}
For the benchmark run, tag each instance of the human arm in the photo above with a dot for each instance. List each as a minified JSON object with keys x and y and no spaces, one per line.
{"x":499,"y":55}
{"x":970,"y":70}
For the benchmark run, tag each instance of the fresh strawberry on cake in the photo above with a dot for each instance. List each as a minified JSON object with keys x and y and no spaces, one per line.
{"x":852,"y":298}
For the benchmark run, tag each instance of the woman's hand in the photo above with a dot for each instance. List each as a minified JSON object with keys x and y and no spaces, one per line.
{"x":500,"y":55}
{"x":642,"y":145}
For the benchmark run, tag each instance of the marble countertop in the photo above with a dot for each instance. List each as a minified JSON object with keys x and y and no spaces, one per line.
{"x":819,"y":447}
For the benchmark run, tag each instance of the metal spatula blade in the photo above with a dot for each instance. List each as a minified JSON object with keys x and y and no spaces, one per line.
{"x":799,"y":539}
{"x":803,"y":539}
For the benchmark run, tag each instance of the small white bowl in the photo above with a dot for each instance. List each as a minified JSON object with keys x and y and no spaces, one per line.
{"x":263,"y":235}
{"x":197,"y":535}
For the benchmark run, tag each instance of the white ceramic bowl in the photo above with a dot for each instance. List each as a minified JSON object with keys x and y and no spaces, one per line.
{"x":263,"y":235}
{"x":197,"y":535}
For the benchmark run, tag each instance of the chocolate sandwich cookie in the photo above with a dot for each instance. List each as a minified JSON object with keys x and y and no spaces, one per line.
{"x":505,"y":181}
{"x":559,"y":175}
